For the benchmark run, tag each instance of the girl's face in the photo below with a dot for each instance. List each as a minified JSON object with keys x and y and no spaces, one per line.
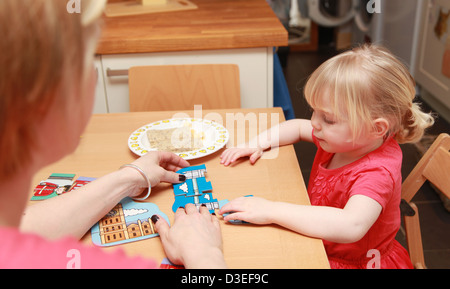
{"x":334,"y":134}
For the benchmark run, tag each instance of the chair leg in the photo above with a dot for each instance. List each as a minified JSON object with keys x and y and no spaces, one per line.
{"x":414,"y":238}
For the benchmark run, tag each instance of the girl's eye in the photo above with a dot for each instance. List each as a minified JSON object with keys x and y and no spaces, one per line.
{"x":326,"y":120}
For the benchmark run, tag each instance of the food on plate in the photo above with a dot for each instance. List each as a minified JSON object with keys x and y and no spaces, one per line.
{"x":176,"y":140}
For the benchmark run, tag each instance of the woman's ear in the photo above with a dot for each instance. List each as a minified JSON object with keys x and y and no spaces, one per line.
{"x":380,"y":127}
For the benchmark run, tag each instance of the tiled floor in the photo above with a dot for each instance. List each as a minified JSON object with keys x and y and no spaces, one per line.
{"x":434,"y":219}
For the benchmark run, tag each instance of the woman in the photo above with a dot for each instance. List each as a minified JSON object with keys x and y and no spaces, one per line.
{"x":47,"y":84}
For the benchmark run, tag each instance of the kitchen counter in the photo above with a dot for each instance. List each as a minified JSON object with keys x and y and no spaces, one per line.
{"x":241,"y":32}
{"x":216,"y":24}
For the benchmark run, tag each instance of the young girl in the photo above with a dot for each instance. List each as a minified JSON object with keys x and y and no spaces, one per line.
{"x":362,"y":103}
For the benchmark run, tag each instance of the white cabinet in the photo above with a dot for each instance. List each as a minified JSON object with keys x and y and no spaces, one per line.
{"x":255,"y":69}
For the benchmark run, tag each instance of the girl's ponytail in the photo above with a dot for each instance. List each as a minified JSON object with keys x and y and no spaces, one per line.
{"x":413,"y":125}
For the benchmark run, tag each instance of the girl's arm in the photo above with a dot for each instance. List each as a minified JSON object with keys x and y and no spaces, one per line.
{"x":285,"y":133}
{"x":345,"y":225}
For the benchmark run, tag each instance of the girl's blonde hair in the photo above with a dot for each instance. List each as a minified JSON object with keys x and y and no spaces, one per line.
{"x":45,"y":53}
{"x":367,"y":83}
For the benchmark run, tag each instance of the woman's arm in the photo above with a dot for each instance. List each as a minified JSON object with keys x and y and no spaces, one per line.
{"x":75,"y":213}
{"x":345,"y":225}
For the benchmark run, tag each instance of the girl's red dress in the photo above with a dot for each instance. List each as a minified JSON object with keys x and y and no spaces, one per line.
{"x":377,"y":175}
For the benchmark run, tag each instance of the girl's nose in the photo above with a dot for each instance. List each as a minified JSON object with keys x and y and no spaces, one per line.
{"x":315,"y":124}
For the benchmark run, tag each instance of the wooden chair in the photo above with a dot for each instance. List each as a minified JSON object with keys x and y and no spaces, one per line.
{"x":180,"y":87}
{"x":434,"y":166}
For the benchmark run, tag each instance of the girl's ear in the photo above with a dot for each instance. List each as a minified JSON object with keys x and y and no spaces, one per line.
{"x":380,"y":127}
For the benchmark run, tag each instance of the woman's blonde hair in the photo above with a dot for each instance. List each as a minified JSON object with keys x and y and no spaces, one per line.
{"x":45,"y":52}
{"x":367,"y":83}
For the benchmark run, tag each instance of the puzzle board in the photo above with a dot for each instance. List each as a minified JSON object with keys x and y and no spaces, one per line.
{"x":195,"y":190}
{"x":57,"y":184}
{"x":127,"y":222}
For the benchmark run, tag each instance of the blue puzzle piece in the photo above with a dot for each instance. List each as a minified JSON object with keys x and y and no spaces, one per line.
{"x":195,"y":190}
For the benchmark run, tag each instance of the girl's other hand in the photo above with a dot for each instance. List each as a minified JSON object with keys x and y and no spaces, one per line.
{"x":231,"y":155}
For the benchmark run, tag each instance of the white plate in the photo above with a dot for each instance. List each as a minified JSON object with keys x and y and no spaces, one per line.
{"x":215,"y":136}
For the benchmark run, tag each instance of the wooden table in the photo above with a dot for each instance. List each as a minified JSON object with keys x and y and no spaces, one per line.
{"x":104,"y":148}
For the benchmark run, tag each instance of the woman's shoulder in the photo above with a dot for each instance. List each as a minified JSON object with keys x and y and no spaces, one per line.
{"x":27,"y":251}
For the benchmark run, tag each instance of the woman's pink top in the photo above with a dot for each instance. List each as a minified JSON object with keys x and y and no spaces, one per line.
{"x":377,"y":175}
{"x":28,"y":251}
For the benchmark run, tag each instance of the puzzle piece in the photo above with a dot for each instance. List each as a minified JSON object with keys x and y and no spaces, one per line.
{"x":80,"y":182}
{"x":166,"y":264}
{"x":127,"y":222}
{"x":54,"y":185}
{"x":58,"y":184}
{"x":195,"y":190}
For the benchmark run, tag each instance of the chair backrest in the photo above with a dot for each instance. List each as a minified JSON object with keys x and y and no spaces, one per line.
{"x":434,"y":166}
{"x":180,"y":87}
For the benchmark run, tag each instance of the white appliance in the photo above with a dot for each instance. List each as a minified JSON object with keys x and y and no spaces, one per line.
{"x":349,"y":10}
{"x":432,"y":57}
{"x":321,"y":17}
{"x":407,"y":28}
{"x":396,"y":27}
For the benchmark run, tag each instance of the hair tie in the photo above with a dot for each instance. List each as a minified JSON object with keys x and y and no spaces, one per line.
{"x":145,"y":177}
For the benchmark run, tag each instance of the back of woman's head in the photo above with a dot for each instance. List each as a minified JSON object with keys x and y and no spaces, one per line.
{"x":367,"y":83}
{"x":45,"y":52}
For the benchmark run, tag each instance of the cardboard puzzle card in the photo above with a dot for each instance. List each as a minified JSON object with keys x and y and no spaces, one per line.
{"x":166,"y":264}
{"x":57,"y":184}
{"x":198,"y":191}
{"x":127,"y":222}
{"x":195,"y":190}
{"x":81,"y":181}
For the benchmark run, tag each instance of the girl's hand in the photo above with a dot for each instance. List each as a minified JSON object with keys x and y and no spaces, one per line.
{"x":249,"y":209}
{"x":231,"y":155}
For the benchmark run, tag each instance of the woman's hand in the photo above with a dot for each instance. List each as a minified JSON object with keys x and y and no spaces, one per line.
{"x":194,"y":240}
{"x":231,"y":155}
{"x":159,"y":167}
